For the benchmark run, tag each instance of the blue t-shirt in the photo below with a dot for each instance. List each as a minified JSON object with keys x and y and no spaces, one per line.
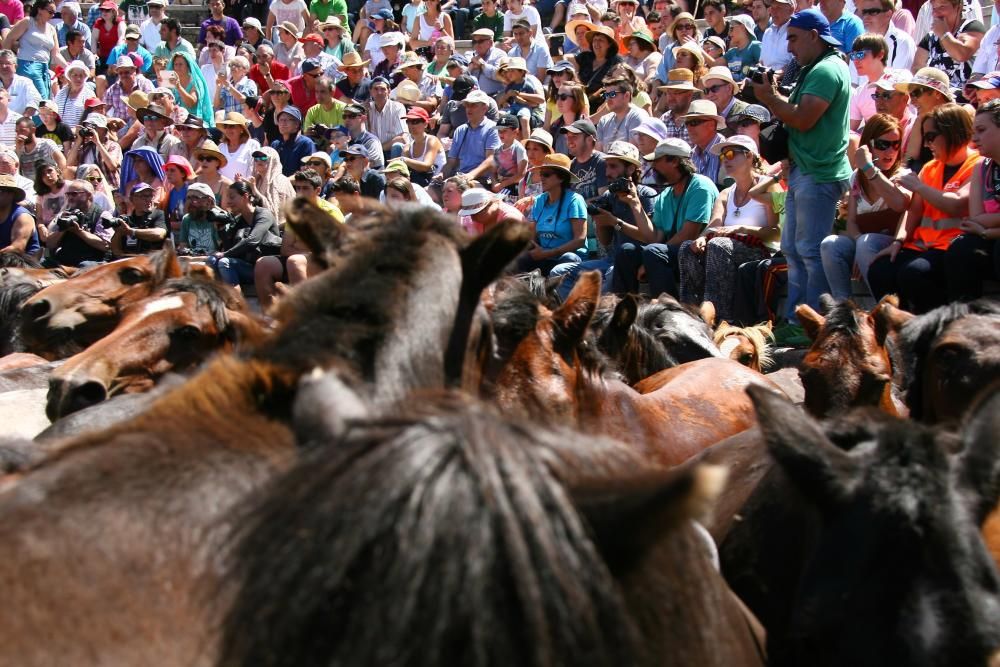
{"x":740,"y":61}
{"x":469,"y":145}
{"x":552,"y":220}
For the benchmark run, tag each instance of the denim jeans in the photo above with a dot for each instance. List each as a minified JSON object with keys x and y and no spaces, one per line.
{"x":571,"y":273}
{"x":525,"y":264}
{"x":841,"y":253}
{"x":660,"y":261}
{"x":809,"y":212}
{"x":231,"y":270}
{"x":39,"y":75}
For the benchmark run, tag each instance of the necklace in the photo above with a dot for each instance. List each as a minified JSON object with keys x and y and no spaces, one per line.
{"x":736,"y":201}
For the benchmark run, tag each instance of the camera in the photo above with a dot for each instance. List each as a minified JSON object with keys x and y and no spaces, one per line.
{"x":619,"y":185}
{"x":66,"y":219}
{"x":115,"y":223}
{"x":217,"y":215}
{"x":761,"y":74}
{"x":86,"y":132}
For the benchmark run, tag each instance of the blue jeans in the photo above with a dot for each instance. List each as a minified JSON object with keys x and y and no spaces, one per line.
{"x":39,"y":75}
{"x":841,"y":253}
{"x":809,"y":211}
{"x":231,"y":270}
{"x":572,"y":272}
{"x":660,"y":262}
{"x":525,"y":264}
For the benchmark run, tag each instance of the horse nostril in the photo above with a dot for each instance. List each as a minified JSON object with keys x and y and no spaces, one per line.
{"x":39,"y":309}
{"x":66,"y":398}
{"x":87,"y":394}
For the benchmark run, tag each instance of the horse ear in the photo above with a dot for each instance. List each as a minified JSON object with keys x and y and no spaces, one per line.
{"x":979,"y":470}
{"x":573,"y":317}
{"x":707,"y":312}
{"x":625,"y":313}
{"x":317,"y":229}
{"x":819,"y":468}
{"x":811,"y":321}
{"x":888,"y":317}
{"x":243,"y":328}
{"x":171,"y":265}
{"x":827,"y":302}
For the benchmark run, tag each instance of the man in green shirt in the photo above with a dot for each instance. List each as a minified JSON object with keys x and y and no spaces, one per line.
{"x":321,"y":10}
{"x":327,"y":111}
{"x":817,"y":117}
{"x":173,"y":43}
{"x":489,"y":18}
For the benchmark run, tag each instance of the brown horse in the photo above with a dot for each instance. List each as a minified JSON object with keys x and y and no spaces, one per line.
{"x":20,"y":279}
{"x":64,"y":319}
{"x":108,"y":548}
{"x":557,"y":373}
{"x":174,"y":330}
{"x":444,"y":533}
{"x":747,"y":345}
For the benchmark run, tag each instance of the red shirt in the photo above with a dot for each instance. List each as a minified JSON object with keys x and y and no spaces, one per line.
{"x":279,"y":72}
{"x":301,"y":97}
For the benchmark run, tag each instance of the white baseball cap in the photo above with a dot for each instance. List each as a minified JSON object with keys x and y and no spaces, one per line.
{"x":475,"y":200}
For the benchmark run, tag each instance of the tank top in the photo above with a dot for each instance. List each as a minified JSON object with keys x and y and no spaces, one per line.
{"x":439,"y":159}
{"x":107,"y":38}
{"x":428,"y":32}
{"x":751,"y":214}
{"x":7,"y":226}
{"x":36,"y":44}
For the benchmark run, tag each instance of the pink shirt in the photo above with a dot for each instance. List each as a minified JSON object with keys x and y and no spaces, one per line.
{"x":13,"y":10}
{"x":506,"y":212}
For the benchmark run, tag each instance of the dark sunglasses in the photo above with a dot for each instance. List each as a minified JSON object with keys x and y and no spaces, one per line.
{"x":716,"y":88}
{"x":545,"y":173}
{"x":929,"y":137}
{"x":279,"y":92}
{"x":208,"y":158}
{"x":94,"y":179}
{"x":351,"y":116}
{"x":882,"y":96}
{"x":148,"y":117}
{"x":916,"y":92}
{"x":564,"y":96}
{"x":315,"y":163}
{"x":414,"y":121}
{"x":350,"y":158}
{"x":611,"y":94}
{"x":685,"y":26}
{"x":885,"y":144}
{"x":695,"y":122}
{"x":872,"y":12}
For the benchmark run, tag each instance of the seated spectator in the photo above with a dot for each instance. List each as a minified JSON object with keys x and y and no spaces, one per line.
{"x":191,"y":91}
{"x":198,"y":234}
{"x":429,"y":27}
{"x":50,"y":189}
{"x":422,"y":152}
{"x":17,"y":226}
{"x":193,"y":134}
{"x":453,"y":113}
{"x":491,"y":19}
{"x":214,"y":69}
{"x":144,"y":229}
{"x":232,"y":92}
{"x":912,"y":266}
{"x":431,"y":92}
{"x":874,"y":207}
{"x":104,"y":193}
{"x":451,"y":198}
{"x":347,"y":196}
{"x":928,"y":90}
{"x":355,"y":117}
{"x":237,"y":147}
{"x":292,"y":146}
{"x":77,"y":236}
{"x":720,"y":89}
{"x":267,"y":70}
{"x":974,"y":257}
{"x":951,"y":45}
{"x":155,"y":119}
{"x":52,"y":127}
{"x":321,"y":164}
{"x":141,"y":165}
{"x":287,"y":49}
{"x":472,"y":148}
{"x":398,"y":190}
{"x":268,"y":184}
{"x":621,"y":117}
{"x":70,"y":100}
{"x":179,"y":175}
{"x":96,"y":145}
{"x":356,"y":164}
{"x":536,"y":56}
{"x":749,"y":122}
{"x":253,"y":234}
{"x":31,"y":150}
{"x":560,"y":217}
{"x":594,"y":65}
{"x":703,"y":124}
{"x":355,"y":86}
{"x":642,"y":56}
{"x":385,"y":116}
{"x":327,"y":110}
{"x":743,"y":229}
{"x":484,"y":210}
{"x":744,"y":49}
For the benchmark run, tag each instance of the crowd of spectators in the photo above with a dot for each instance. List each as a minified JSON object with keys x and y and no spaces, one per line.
{"x":843,"y":146}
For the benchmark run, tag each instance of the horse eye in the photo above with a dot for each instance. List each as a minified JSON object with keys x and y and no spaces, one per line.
{"x":131,"y":276}
{"x":187,"y":331}
{"x":746,"y":359}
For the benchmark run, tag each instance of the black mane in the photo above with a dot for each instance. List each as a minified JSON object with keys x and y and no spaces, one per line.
{"x":19,"y":260}
{"x":212,"y":294}
{"x":842,"y":317}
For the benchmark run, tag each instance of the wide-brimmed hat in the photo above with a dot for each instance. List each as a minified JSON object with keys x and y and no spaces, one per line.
{"x":475,"y":200}
{"x":651,"y":127}
{"x":692,"y":48}
{"x":181,"y":163}
{"x":561,"y":66}
{"x":352,"y":59}
{"x":624,"y":151}
{"x":156,"y":110}
{"x":719,"y":73}
{"x":126,"y":62}
{"x":683,"y":16}
{"x":235,"y":119}
{"x":679,"y":79}
{"x":513,"y":62}
{"x":9,"y":184}
{"x":406,"y":91}
{"x":542,"y":138}
{"x":670,"y":147}
{"x":76,"y":64}
{"x":642,"y":36}
{"x":410,"y":59}
{"x":392,"y":39}
{"x":931,"y":78}
{"x":736,"y":141}
{"x":745,"y":22}
{"x":557,"y":161}
{"x":193,"y":122}
{"x":704,"y":109}
{"x":96,"y":120}
{"x":573,"y":25}
{"x":602,"y":30}
{"x":332,"y":22}
{"x":210,"y":148}
{"x":291,"y":28}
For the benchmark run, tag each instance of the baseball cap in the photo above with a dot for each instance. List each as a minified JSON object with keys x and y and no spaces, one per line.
{"x":813,"y":19}
{"x":312,"y":38}
{"x":754,"y":112}
{"x":462,"y":86}
{"x":476,"y":97}
{"x":250,"y":22}
{"x":990,"y":81}
{"x":339,"y":129}
{"x":355,"y":109}
{"x":200,"y":189}
{"x":309,"y":65}
{"x":384,"y":14}
{"x":132,"y":32}
{"x":475,"y":200}
{"x":356,"y":149}
{"x":508,"y":120}
{"x":396,"y":167}
{"x":670,"y":147}
{"x":292,"y":111}
{"x":141,"y":187}
{"x":581,"y":126}
{"x":735,"y":141}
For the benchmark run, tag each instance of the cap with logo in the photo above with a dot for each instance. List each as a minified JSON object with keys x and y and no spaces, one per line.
{"x":813,"y":19}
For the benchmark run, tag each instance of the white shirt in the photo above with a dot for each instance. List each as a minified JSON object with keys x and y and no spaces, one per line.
{"x":902,"y":48}
{"x":970,"y":10}
{"x":240,"y":161}
{"x":8,"y":129}
{"x":774,"y":51}
{"x":150,"y":34}
{"x":23,"y":94}
{"x":986,"y":59}
{"x":388,"y":122}
{"x":531,"y":15}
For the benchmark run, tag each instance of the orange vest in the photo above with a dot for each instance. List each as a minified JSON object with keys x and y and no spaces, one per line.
{"x":933,"y":235}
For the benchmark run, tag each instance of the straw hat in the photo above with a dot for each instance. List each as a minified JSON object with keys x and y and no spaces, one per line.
{"x":704,"y":109}
{"x":513,"y":62}
{"x":291,"y":28}
{"x":406,"y":91}
{"x":410,"y":59}
{"x":573,"y":25}
{"x":929,"y":77}
{"x":352,"y":59}
{"x":602,"y":30}
{"x":693,"y":49}
{"x":211,"y":149}
{"x":624,"y":151}
{"x":557,"y":161}
{"x":9,"y":184}
{"x":679,"y":79}
{"x":235,"y":119}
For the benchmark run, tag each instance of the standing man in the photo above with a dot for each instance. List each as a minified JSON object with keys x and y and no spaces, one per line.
{"x":471,"y":151}
{"x":720,"y":88}
{"x":774,"y":51}
{"x":234,"y":34}
{"x":845,"y":27}
{"x":24,"y":97}
{"x":816,"y":116}
{"x":876,"y":15}
{"x":618,"y":125}
{"x":486,"y":61}
{"x":150,"y":28}
{"x":536,"y":56}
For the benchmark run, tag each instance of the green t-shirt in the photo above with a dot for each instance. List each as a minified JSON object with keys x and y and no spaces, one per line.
{"x":741,"y":61}
{"x":317,"y":114}
{"x":324,"y":10}
{"x":495,"y":23}
{"x":695,"y":205}
{"x":821,"y":152}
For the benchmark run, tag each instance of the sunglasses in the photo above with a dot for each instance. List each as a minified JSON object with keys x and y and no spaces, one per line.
{"x":695,"y":123}
{"x":916,"y":92}
{"x":350,"y":158}
{"x":279,"y":92}
{"x":208,"y":158}
{"x":611,"y":94}
{"x":885,"y":144}
{"x":685,"y":26}
{"x":872,"y":12}
{"x":315,"y":163}
{"x":545,"y":173}
{"x":882,"y":96}
{"x":73,"y":193}
{"x":564,"y":96}
{"x":929,"y":137}
{"x":261,"y":158}
{"x":95,"y":179}
{"x":716,"y":88}
{"x":858,"y":55}
{"x":415,"y":121}
{"x":731,"y":154}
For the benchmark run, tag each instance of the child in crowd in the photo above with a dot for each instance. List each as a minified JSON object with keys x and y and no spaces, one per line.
{"x":744,"y":53}
{"x":510,"y":159}
{"x":340,"y":137}
{"x":410,"y":13}
{"x":524,"y":96}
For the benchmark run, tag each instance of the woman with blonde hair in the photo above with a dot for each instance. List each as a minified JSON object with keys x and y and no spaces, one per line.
{"x":682,"y":31}
{"x":236,"y":146}
{"x":104,"y":196}
{"x":268,"y":183}
{"x":572,"y":104}
{"x":692,"y":57}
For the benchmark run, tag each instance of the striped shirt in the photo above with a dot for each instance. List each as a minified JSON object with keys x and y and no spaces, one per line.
{"x":245,"y":86}
{"x":388,"y":122}
{"x":8,"y":129}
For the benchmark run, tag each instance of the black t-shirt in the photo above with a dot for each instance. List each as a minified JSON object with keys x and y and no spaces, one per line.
{"x":593,"y":80}
{"x":155,"y":219}
{"x":73,"y":250}
{"x":62,"y":134}
{"x":360,"y":92}
{"x":958,"y":73}
{"x":372,"y":184}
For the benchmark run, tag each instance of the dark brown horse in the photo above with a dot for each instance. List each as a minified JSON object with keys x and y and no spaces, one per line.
{"x":446,"y":534}
{"x":108,"y":548}
{"x":64,"y":319}
{"x":174,"y":330}
{"x":557,"y":373}
{"x":21,"y":277}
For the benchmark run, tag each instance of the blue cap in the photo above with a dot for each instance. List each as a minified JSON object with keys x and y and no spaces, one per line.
{"x":813,"y":19}
{"x":293,"y":112}
{"x":383,"y":14}
{"x":309,"y":65}
{"x":339,"y":128}
{"x":459,"y":58}
{"x":561,"y":66}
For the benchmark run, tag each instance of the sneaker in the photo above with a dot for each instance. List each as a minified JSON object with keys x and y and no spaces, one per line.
{"x":791,"y":335}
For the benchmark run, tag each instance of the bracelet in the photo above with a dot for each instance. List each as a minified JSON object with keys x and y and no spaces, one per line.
{"x":866,"y":167}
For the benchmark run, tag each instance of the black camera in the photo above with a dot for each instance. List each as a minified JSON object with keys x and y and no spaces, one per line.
{"x":66,"y":219}
{"x":115,"y":223}
{"x":217,"y":216}
{"x":761,"y":74}
{"x":86,"y":132}
{"x":619,"y":185}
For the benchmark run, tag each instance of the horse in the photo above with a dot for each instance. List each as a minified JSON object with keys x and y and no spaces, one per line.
{"x":896,"y":572}
{"x":174,"y":330}
{"x":557,"y":373}
{"x":65,"y":318}
{"x":445,"y":533}
{"x":747,"y":345}
{"x":21,"y":277}
{"x":109,"y":545}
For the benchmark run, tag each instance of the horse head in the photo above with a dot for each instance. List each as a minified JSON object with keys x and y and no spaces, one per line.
{"x":899,"y":573}
{"x":747,"y":345}
{"x":65,"y":318}
{"x":174,"y":330}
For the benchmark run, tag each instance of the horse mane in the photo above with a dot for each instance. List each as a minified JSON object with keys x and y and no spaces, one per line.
{"x":13,"y":294}
{"x":842,"y":317}
{"x":430,"y":538}
{"x":218,"y":297}
{"x":917,"y":336}
{"x":758,"y":336}
{"x":18,"y":260}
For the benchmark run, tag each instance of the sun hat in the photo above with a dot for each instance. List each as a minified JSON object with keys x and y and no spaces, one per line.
{"x":679,"y":79}
{"x":352,"y":59}
{"x":736,"y":141}
{"x":513,"y":62}
{"x":132,"y":31}
{"x":156,"y":110}
{"x":651,"y":127}
{"x":581,"y":126}
{"x":602,"y":30}
{"x":125,"y":62}
{"x":383,"y":14}
{"x":573,"y":25}
{"x":233,"y":118}
{"x":641,"y":35}
{"x":51,"y":106}
{"x":211,"y":149}
{"x":9,"y":184}
{"x":97,"y":120}
{"x":755,"y":112}
{"x":484,"y":32}
{"x":716,"y":40}
{"x":292,"y":111}
{"x":290,"y":28}
{"x":406,"y":92}
{"x":410,"y":59}
{"x":193,"y":122}
{"x":251,"y":22}
{"x":418,"y":113}
{"x":683,"y":16}
{"x":719,"y":74}
{"x":745,"y":22}
{"x":990,"y":81}
{"x":624,"y":151}
{"x":392,"y":39}
{"x":318,"y":155}
{"x":312,"y":38}
{"x":396,"y":166}
{"x":892,"y":77}
{"x":332,"y":22}
{"x":692,"y":48}
{"x":542,"y":138}
{"x":705,"y":109}
{"x":929,"y":77}
{"x":476,"y":97}
{"x":475,"y":200}
{"x":76,"y":64}
{"x":670,"y":147}
{"x":136,"y":100}
{"x":561,"y":66}
{"x":181,"y":163}
{"x":557,"y":161}
{"x":200,"y":189}
{"x":813,"y":19}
